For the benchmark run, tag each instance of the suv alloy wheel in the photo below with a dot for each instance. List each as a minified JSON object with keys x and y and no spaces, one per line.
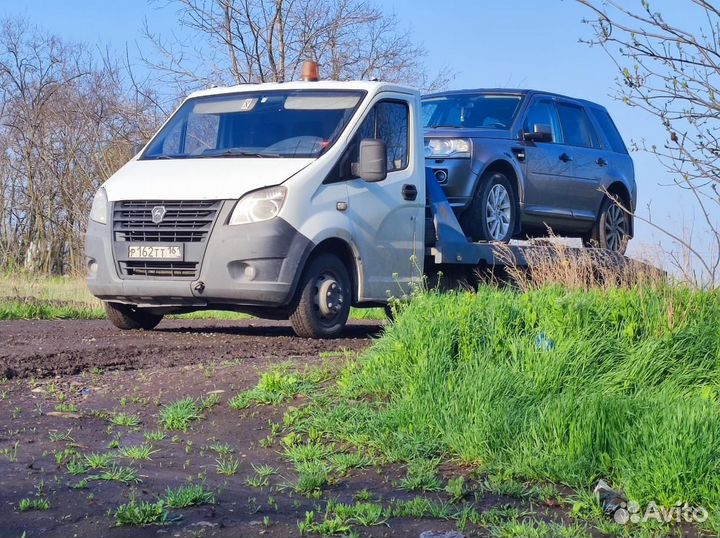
{"x":492,"y":213}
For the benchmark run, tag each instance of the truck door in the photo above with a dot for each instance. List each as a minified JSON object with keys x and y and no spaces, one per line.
{"x":387,"y":217}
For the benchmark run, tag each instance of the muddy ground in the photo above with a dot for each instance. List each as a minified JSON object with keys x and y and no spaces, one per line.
{"x":63,"y":381}
{"x":44,"y":348}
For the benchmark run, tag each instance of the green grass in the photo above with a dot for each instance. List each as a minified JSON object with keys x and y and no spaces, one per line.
{"x":119,"y":473}
{"x":531,"y":528}
{"x":221,"y":448}
{"x":312,"y":477}
{"x":177,"y":416}
{"x":277,"y":386}
{"x":548,"y":386}
{"x":125,"y":420}
{"x":26,"y":505}
{"x":96,"y":460}
{"x":227,"y":465}
{"x":421,"y":476}
{"x":137,"y":452}
{"x":141,"y":514}
{"x":154,"y":436}
{"x":190,"y":495}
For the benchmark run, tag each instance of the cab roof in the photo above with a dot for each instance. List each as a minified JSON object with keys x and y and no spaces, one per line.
{"x":371,"y":87}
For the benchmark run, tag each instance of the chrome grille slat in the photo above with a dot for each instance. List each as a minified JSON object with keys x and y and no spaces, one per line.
{"x":159,"y":269}
{"x":184,"y":221}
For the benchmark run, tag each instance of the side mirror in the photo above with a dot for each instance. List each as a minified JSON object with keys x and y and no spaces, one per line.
{"x":372,"y":162}
{"x":541,"y":133}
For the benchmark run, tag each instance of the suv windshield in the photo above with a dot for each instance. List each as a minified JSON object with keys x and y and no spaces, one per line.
{"x":298,"y":123}
{"x":475,"y":111}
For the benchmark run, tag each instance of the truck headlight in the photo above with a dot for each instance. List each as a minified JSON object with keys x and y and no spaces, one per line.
{"x":258,"y":206}
{"x":98,"y":211}
{"x":447,"y":147}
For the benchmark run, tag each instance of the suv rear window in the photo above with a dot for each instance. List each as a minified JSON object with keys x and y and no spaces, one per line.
{"x":608,"y":126}
{"x":576,"y":126}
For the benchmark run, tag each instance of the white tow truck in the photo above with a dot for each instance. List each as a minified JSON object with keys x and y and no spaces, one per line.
{"x":283,"y":200}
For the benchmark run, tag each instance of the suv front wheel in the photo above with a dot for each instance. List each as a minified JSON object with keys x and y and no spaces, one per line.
{"x":492,"y":213}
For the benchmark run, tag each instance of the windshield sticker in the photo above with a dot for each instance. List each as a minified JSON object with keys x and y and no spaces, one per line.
{"x":321,"y":102}
{"x":225,"y":106}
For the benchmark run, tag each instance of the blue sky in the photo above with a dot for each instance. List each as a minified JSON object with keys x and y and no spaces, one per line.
{"x":488,"y":43}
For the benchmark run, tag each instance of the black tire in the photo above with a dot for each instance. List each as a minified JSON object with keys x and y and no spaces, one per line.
{"x":481,"y":222}
{"x":128,"y":317}
{"x":611,"y":229}
{"x":314,"y":315}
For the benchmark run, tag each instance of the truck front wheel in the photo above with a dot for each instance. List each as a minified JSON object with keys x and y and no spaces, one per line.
{"x":323,"y":303}
{"x":129,"y":317}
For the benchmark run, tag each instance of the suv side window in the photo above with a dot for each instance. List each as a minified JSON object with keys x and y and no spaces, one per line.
{"x":542,"y":112}
{"x":576,"y":126}
{"x":388,"y":121}
{"x":608,"y":126}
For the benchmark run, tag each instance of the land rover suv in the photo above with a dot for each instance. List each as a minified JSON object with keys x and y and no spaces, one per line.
{"x":520,"y":163}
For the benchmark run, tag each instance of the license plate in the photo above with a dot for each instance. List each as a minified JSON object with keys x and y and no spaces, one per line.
{"x":144,"y":252}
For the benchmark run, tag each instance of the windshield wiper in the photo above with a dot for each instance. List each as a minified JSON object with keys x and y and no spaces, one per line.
{"x":445,"y":127}
{"x":162,"y":156}
{"x":237,"y":153}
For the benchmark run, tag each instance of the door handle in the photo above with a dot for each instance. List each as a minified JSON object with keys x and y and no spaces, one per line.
{"x":409,"y":192}
{"x":565,"y":158}
{"x":601,"y":162}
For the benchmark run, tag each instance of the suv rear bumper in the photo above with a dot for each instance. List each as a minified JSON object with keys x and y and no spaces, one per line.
{"x":255,"y":264}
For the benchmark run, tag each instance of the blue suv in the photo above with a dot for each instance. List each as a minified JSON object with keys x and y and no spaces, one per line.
{"x":520,"y":163}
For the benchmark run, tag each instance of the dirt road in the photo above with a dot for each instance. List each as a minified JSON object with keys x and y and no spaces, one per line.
{"x":81,"y":396}
{"x":47,"y":348}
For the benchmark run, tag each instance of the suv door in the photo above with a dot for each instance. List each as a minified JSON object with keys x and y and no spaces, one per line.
{"x":581,"y":193}
{"x":387,"y":222}
{"x":547,"y":165}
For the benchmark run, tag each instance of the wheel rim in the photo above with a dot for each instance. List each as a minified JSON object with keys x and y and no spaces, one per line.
{"x":329,"y":297}
{"x":498,"y":212}
{"x":615,"y":227}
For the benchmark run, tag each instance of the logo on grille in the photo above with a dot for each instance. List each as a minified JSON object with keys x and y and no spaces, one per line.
{"x":158,"y":213}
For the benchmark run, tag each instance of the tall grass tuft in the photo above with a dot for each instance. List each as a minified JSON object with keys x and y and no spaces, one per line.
{"x":558,"y":385}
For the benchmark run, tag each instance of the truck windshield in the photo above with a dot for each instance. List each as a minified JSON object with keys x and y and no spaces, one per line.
{"x":299,"y":123}
{"x":474,"y":111}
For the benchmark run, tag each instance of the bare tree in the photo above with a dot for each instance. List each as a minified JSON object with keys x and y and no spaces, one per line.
{"x":241,"y":41}
{"x":66,"y":124}
{"x":673,"y":73}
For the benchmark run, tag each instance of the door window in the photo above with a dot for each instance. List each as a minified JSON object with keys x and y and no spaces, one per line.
{"x":576,"y":126}
{"x":389,"y":122}
{"x":611,"y":132}
{"x":542,"y":112}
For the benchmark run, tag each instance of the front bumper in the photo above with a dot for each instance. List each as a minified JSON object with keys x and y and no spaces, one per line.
{"x":459,"y":179}
{"x":255,"y":264}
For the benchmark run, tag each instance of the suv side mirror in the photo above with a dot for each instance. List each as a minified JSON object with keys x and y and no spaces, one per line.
{"x":541,"y":133}
{"x":372,"y":162}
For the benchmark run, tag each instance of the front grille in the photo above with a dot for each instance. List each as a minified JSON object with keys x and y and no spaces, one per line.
{"x":185,"y":221}
{"x":159,"y":269}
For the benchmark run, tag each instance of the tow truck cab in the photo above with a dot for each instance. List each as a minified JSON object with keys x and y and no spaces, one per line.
{"x":293,"y":200}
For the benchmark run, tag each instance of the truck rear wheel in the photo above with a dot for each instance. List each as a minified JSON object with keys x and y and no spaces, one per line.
{"x":323,"y":303}
{"x":129,"y":317}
